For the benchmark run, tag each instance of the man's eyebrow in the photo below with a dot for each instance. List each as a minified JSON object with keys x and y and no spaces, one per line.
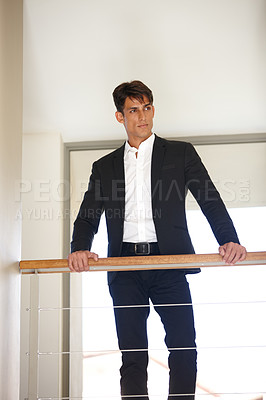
{"x":135,"y":107}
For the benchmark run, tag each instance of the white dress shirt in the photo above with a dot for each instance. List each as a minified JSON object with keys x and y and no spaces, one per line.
{"x":138,"y":223}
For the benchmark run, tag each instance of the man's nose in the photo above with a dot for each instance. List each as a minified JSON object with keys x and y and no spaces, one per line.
{"x":141,"y":115}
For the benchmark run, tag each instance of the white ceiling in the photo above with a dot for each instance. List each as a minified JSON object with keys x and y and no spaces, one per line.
{"x":205,"y":61}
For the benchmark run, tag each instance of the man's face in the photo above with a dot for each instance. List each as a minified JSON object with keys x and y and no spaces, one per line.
{"x":137,"y":119}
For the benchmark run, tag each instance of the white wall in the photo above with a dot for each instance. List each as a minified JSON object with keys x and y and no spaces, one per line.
{"x":42,"y":194}
{"x":205,"y":61}
{"x":42,"y":237}
{"x":10,"y":173}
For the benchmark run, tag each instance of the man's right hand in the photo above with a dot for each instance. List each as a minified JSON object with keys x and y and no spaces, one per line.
{"x":79,"y":260}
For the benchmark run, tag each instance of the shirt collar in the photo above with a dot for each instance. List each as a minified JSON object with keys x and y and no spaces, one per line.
{"x":147,"y":145}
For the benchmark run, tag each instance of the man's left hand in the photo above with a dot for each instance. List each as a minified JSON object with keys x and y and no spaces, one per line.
{"x":232,"y":252}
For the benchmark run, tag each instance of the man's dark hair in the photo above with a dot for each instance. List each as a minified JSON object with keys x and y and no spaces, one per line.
{"x":134,"y":90}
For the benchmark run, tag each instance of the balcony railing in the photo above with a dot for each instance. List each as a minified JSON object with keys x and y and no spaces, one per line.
{"x":37,"y":267}
{"x":186,"y":261}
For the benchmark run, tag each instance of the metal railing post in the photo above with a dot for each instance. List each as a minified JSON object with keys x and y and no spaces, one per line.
{"x":34,"y":338}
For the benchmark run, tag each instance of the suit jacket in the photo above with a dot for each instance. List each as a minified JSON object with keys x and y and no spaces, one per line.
{"x":176,"y":167}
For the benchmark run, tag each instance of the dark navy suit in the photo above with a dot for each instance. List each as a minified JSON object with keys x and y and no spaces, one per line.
{"x":176,"y":168}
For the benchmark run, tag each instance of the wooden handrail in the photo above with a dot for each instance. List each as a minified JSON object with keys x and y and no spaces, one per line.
{"x":183,"y":261}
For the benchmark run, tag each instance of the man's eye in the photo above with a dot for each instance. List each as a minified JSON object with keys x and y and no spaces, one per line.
{"x":148,"y":108}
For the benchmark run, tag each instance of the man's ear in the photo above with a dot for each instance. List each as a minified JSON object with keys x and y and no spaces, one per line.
{"x":119,"y":116}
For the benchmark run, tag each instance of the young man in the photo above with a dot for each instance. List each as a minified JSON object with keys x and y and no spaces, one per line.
{"x":142,"y":188}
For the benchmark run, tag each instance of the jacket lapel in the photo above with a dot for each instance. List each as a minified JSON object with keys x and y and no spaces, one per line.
{"x":119,"y":177}
{"x":156,"y":167}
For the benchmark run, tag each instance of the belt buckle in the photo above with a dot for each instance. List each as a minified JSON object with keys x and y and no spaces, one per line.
{"x":142,"y":248}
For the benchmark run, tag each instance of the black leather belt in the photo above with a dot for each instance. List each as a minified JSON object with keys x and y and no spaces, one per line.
{"x":141,"y":249}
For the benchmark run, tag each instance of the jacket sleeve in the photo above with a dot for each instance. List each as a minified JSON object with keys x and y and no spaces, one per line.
{"x":204,"y":191}
{"x":88,"y":218}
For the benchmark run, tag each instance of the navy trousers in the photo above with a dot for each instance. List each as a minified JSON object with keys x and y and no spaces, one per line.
{"x":131,"y":288}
